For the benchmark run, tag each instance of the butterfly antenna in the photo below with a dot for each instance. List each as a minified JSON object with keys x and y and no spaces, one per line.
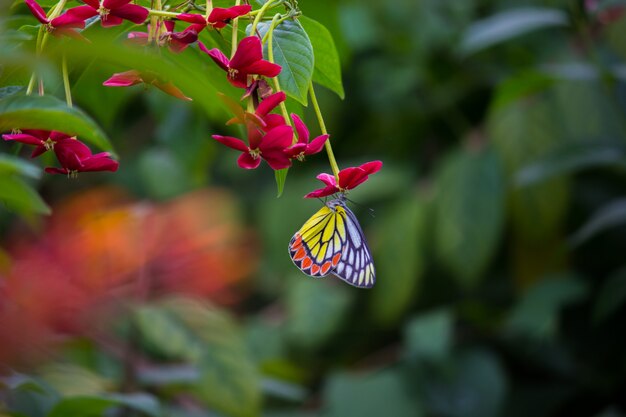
{"x":369,"y":209}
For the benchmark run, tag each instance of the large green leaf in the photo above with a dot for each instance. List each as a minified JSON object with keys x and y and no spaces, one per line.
{"x":96,"y":405}
{"x":316,"y":310}
{"x":327,"y":65}
{"x":280,"y":176}
{"x":206,"y":337}
{"x":21,"y":197}
{"x":400,"y":258}
{"x":13,"y":165}
{"x":469,"y":213}
{"x":49,"y":113}
{"x":507,"y":25}
{"x":293,"y":52}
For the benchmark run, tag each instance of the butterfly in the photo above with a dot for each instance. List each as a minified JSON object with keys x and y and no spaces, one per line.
{"x":332,"y":242}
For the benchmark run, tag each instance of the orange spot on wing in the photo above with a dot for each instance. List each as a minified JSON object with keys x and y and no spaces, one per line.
{"x":315,"y":269}
{"x":299,"y":255}
{"x":336,"y":259}
{"x":326,"y":267}
{"x":307,"y":263}
{"x":297,"y":242}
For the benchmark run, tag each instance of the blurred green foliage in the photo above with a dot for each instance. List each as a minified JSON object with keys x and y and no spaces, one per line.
{"x":498,"y":226}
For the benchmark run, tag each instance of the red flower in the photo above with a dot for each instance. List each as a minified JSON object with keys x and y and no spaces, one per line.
{"x":176,"y":41}
{"x":74,"y":157}
{"x":248,"y":60}
{"x":44,"y":140}
{"x":270,"y":146}
{"x":218,"y":18}
{"x":348,"y":179}
{"x":62,"y":25}
{"x":303,"y":147}
{"x":261,"y":116}
{"x":133,"y":77}
{"x":112,"y":12}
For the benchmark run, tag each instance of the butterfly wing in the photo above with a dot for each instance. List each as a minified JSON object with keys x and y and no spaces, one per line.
{"x":355,"y":266}
{"x":317,"y":247}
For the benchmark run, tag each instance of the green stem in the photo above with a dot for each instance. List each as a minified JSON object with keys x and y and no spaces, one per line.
{"x":209,"y":8}
{"x":66,"y":81}
{"x":327,"y":145}
{"x":270,"y":56}
{"x":233,"y":47}
{"x":161,"y":13}
{"x":259,"y":16}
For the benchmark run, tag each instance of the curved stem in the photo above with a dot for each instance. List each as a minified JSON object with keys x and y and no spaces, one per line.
{"x":66,"y":81}
{"x":209,"y":8}
{"x":270,"y":56}
{"x":234,"y":35}
{"x":327,"y":145}
{"x":259,"y":16}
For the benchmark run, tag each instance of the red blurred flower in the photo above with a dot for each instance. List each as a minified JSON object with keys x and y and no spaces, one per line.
{"x":349,"y":178}
{"x":269,"y":146}
{"x":248,"y":60}
{"x":606,"y":13}
{"x":74,"y":157}
{"x":111,"y":12}
{"x":43,"y":140}
{"x":303,"y":147}
{"x":218,"y":18}
{"x":261,"y":116}
{"x":61,"y":25}
{"x":133,"y":77}
{"x":176,"y":41}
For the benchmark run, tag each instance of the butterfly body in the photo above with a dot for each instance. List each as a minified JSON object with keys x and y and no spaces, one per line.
{"x":332,"y":242}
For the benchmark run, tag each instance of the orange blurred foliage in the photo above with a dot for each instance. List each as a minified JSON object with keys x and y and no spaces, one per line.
{"x":100,"y":247}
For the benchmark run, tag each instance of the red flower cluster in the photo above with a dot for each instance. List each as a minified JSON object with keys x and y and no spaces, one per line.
{"x":349,"y":178}
{"x":73,"y":155}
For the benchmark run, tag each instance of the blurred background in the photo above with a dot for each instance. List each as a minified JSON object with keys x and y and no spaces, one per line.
{"x":498,"y":233}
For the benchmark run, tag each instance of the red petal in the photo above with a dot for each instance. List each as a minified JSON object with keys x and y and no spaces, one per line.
{"x":124,"y":79}
{"x":38,"y":151}
{"x":327,"y":179}
{"x":23,"y":138}
{"x":255,"y":135}
{"x":187,"y":36}
{"x":294,"y":150}
{"x":70,"y":153}
{"x":263,"y":67}
{"x":276,"y":159}
{"x":301,"y":129}
{"x":351,"y":177}
{"x":169,"y":25}
{"x":132,"y":12}
{"x":68,"y":21}
{"x":82,"y":12}
{"x":37,"y":11}
{"x":246,"y":161}
{"x":273,"y":120}
{"x":316,"y":144}
{"x":322,"y":192}
{"x":92,"y":3}
{"x":220,"y":14}
{"x":111,"y":20}
{"x":57,"y":136}
{"x":270,"y":103}
{"x":278,"y":138}
{"x":216,"y":55}
{"x":232,"y":142}
{"x":99,"y":162}
{"x":192,"y":18}
{"x":371,"y":167}
{"x":248,"y":52}
{"x":114,"y":4}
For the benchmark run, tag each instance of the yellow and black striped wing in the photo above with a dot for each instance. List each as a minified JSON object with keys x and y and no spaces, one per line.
{"x":317,"y":247}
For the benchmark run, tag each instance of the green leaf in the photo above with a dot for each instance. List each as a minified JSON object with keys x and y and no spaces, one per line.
{"x":21,"y":197}
{"x":536,"y":314}
{"x":13,"y":165}
{"x":384,"y":393}
{"x":281,"y":177}
{"x":398,"y":255}
{"x":96,"y":405}
{"x":49,"y":113}
{"x":316,"y":311}
{"x":429,"y":336}
{"x":207,"y":338}
{"x":327,"y":65}
{"x":294,"y":53}
{"x":611,"y":296}
{"x":469,"y":214}
{"x":571,"y":158}
{"x":610,"y":215}
{"x":73,"y":380}
{"x":508,"y":25}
